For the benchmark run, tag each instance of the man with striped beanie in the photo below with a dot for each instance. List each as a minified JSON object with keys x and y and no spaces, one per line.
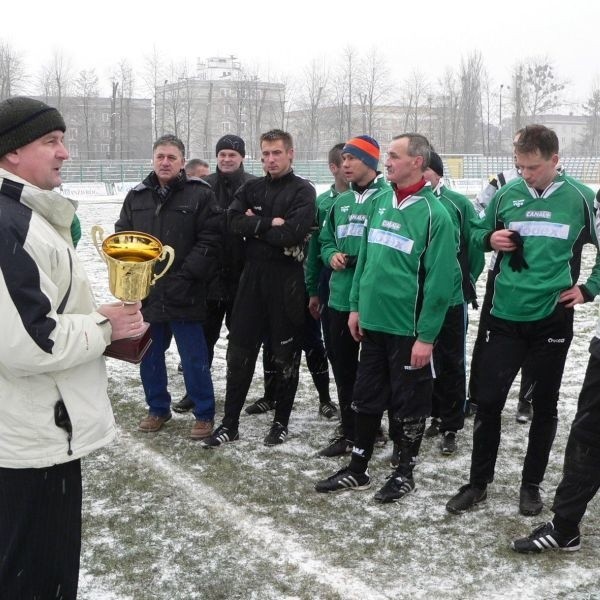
{"x":340,"y":240}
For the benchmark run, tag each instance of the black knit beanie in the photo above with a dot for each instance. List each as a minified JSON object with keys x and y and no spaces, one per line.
{"x":231,"y":142}
{"x":23,"y":120}
{"x":436,"y":164}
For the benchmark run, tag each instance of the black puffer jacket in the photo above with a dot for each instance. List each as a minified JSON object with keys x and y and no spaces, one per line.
{"x":224,"y":284}
{"x":189,"y":220}
{"x":289,"y":197}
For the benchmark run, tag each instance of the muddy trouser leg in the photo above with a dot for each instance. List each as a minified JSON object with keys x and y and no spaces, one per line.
{"x":285,"y":305}
{"x":316,"y":357}
{"x":248,"y":322}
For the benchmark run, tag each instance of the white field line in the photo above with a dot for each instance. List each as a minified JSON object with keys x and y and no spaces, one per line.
{"x":341,"y":581}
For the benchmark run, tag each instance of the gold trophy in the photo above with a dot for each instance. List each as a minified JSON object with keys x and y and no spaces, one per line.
{"x":131,"y":257}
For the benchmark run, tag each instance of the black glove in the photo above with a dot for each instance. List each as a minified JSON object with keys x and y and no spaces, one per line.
{"x":517,"y":260}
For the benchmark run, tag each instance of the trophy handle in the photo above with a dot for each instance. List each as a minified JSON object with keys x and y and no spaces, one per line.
{"x":167,"y":251}
{"x":97,"y":235}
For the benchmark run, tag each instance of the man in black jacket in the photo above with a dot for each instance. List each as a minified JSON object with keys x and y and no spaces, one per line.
{"x":182,"y":213}
{"x":230,"y":176}
{"x":274,"y":213}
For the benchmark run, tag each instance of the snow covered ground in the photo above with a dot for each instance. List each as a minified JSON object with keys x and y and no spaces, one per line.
{"x":165,"y":519}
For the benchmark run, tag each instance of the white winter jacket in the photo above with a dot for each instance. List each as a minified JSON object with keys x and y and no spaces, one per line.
{"x":51,"y":337}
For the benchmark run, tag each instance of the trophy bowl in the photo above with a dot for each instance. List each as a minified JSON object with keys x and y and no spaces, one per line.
{"x":131,"y":257}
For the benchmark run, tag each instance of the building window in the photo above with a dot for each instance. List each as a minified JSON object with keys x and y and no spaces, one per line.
{"x":226,"y":127}
{"x":225,"y":92}
{"x":104,"y":148}
{"x":226,"y":109}
{"x":72,"y":134}
{"x":105,"y":117}
{"x":73,"y":151}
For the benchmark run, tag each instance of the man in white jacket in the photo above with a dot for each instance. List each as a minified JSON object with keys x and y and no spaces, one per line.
{"x":54,"y":406}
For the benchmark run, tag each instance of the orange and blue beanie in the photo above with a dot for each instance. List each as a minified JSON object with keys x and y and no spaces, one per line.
{"x":365,"y":148}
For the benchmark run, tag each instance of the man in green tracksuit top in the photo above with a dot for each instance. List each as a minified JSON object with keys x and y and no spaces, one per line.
{"x":340,"y":240}
{"x":316,"y":273}
{"x":450,"y":387}
{"x":404,"y":280}
{"x":538,"y":224}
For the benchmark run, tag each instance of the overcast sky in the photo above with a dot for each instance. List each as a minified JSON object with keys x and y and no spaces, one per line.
{"x":284,"y":36}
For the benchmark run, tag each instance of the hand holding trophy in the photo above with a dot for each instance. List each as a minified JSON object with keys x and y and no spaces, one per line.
{"x":131,"y":257}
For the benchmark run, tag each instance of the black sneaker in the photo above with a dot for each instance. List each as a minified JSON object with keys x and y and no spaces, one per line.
{"x":524,"y":411}
{"x":260,"y":406}
{"x":530,"y":501}
{"x":448,"y":443}
{"x":328,"y":410}
{"x":545,"y":537}
{"x":467,"y":497}
{"x":338,"y":446}
{"x":184,"y":405}
{"x":395,"y":457}
{"x":395,"y":487}
{"x":221,"y":435}
{"x":343,"y":480}
{"x":276,"y":435}
{"x":434,"y":428}
{"x":381,"y":438}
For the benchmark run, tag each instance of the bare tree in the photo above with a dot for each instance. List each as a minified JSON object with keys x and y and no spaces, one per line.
{"x":86,"y":88}
{"x":56,"y":77}
{"x":541,"y":88}
{"x":314,"y":84}
{"x":374,"y":88}
{"x":471,"y":70}
{"x":416,"y":89}
{"x":154,"y":78}
{"x":12,"y":71}
{"x":590,"y":144}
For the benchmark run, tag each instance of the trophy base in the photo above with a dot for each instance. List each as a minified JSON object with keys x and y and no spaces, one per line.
{"x":130,"y":349}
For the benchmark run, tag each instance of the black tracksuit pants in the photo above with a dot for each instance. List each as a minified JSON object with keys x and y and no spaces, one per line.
{"x":216,"y":311}
{"x":316,"y":359}
{"x":449,"y":388}
{"x":269,"y":305}
{"x":544,"y":344}
{"x":385,"y":380}
{"x":475,"y":377}
{"x":40,"y":532}
{"x":344,"y":363}
{"x":581,"y":471}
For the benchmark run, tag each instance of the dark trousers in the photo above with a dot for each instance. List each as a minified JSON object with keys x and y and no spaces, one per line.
{"x":544,"y":344}
{"x":40,"y":532}
{"x":323,"y":292}
{"x":581,"y":471}
{"x":526,"y":387}
{"x":216,"y":311}
{"x":189,"y":337}
{"x":269,"y":305}
{"x":316,"y":359}
{"x":344,"y":363}
{"x":385,"y":380}
{"x":449,"y":388}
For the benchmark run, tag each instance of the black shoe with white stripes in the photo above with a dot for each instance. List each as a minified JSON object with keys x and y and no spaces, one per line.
{"x":395,"y":487}
{"x":276,"y":435}
{"x":259,"y":407}
{"x":221,"y":435}
{"x":328,"y":409}
{"x":545,"y":537}
{"x":343,"y":480}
